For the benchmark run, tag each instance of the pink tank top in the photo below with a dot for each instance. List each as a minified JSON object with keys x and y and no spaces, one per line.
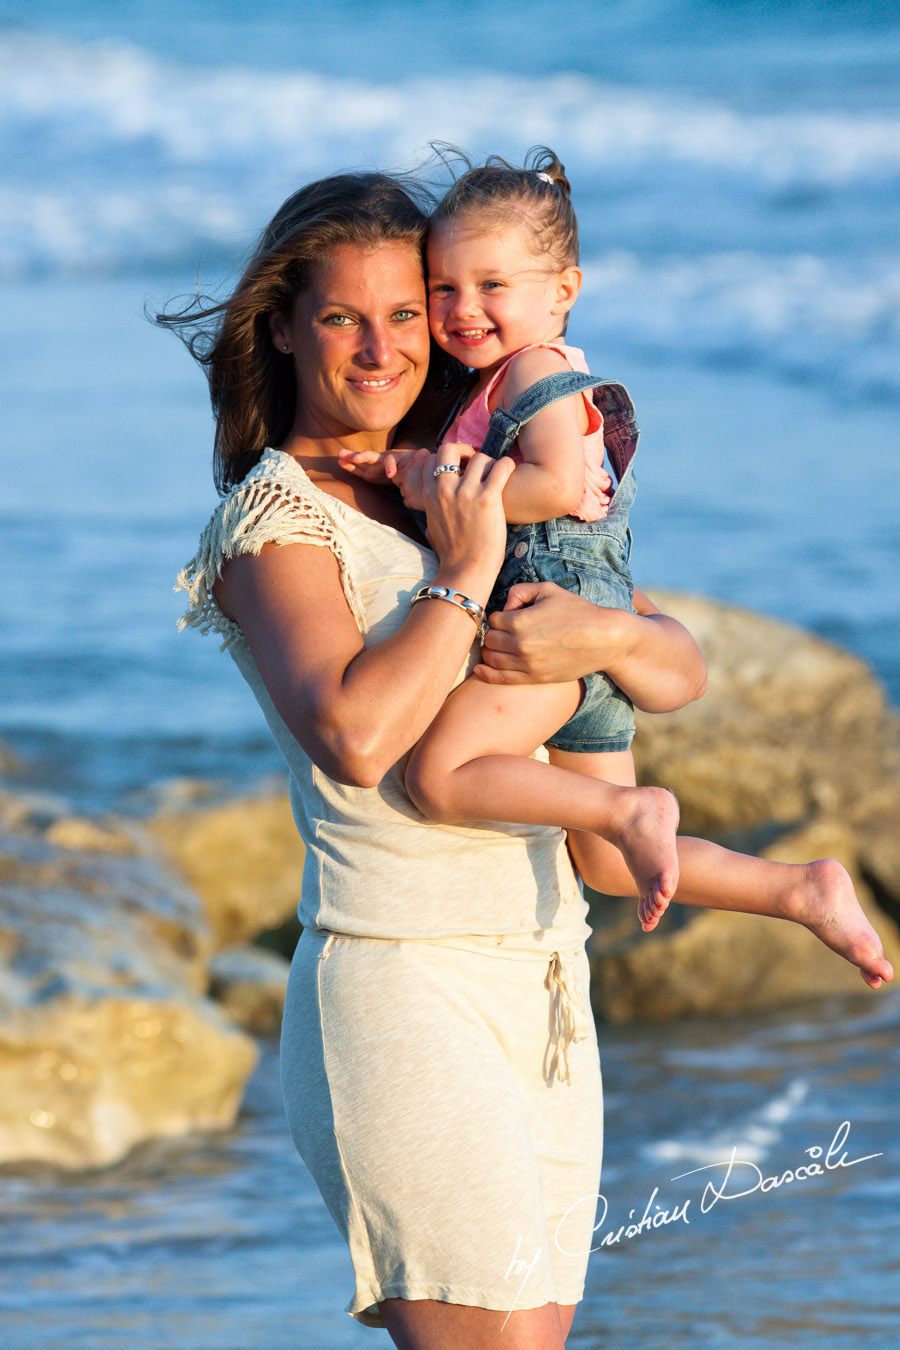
{"x":471,"y":427}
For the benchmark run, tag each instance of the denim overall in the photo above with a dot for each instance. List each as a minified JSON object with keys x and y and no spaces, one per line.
{"x":589,"y":558}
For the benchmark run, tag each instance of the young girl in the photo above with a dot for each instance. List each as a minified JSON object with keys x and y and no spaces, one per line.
{"x":502,"y":276}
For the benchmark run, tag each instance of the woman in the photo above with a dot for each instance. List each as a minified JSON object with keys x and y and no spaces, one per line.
{"x":439,"y":1061}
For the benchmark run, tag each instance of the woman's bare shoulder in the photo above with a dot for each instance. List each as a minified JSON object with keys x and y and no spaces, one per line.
{"x":275,"y":505}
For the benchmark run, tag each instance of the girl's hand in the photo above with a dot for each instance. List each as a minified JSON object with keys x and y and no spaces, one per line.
{"x":466,"y":520}
{"x":399,"y":468}
{"x":367,"y":464}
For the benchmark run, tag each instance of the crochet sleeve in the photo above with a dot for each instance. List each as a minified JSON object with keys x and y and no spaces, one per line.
{"x":259,"y":511}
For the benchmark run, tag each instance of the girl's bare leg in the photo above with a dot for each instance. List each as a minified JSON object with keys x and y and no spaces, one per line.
{"x":426,"y":1324}
{"x":819,"y":894}
{"x":472,"y":765}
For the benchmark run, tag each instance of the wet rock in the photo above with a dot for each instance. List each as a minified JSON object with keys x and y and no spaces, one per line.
{"x":879,"y":857}
{"x":707,"y":962}
{"x":789,"y":728}
{"x":78,"y":832}
{"x":105,"y":1036}
{"x":85,"y":1076}
{"x":250,"y":985}
{"x":243,"y":859}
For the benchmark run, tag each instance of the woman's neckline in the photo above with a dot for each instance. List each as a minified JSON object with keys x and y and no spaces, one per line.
{"x":351,"y":510}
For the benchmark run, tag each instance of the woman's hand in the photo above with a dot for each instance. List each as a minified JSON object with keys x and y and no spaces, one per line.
{"x":466,"y":521}
{"x":410,"y":470}
{"x":546,"y":635}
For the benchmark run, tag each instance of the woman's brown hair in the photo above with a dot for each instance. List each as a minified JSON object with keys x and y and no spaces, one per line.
{"x":252,"y":386}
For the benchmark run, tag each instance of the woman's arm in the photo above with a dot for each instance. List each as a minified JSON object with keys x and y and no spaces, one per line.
{"x":547,"y":635}
{"x":356,"y":710}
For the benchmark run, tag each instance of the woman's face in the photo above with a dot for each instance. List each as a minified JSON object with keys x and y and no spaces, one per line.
{"x":359,"y":338}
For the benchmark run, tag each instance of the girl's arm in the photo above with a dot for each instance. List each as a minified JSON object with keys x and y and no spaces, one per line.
{"x":356,"y":710}
{"x":547,"y":635}
{"x":550,"y":480}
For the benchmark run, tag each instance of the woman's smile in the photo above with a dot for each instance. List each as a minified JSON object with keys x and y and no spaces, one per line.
{"x":358,"y":336}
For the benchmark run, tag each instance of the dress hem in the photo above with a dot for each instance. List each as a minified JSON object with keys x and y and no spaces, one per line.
{"x":364,"y":1308}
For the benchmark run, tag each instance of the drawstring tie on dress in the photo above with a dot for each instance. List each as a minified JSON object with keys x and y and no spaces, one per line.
{"x":570,"y":1020}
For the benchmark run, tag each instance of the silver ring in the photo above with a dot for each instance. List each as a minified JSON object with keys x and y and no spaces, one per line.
{"x":447,"y":468}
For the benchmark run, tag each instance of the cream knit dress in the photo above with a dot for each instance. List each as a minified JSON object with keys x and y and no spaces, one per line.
{"x":439,"y":1061}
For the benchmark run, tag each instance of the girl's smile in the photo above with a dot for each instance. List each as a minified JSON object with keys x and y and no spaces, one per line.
{"x":491,"y":294}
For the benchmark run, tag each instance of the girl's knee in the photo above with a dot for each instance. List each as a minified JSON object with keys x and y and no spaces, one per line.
{"x":428,"y":788}
{"x":421,"y":787}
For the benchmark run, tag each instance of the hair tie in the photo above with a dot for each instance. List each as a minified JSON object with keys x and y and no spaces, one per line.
{"x":544,"y":177}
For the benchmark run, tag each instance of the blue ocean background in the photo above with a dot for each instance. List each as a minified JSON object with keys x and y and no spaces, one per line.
{"x":736,"y":170}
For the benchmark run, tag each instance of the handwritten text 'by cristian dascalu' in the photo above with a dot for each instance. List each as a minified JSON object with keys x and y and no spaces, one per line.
{"x":735,"y":1179}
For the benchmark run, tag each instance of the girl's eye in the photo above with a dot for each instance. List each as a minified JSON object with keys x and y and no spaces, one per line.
{"x":491,"y":285}
{"x":439,"y":290}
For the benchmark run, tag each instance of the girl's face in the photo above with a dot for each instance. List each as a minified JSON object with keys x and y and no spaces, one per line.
{"x":490,"y":294}
{"x":359,"y":338}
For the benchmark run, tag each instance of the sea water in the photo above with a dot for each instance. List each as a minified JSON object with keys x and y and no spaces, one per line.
{"x":736,"y":170}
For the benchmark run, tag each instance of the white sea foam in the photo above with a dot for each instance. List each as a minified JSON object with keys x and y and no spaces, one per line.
{"x":119,"y":92}
{"x":753,"y":1139}
{"x":801,"y":314}
{"x":71,"y":100}
{"x":117,"y":159}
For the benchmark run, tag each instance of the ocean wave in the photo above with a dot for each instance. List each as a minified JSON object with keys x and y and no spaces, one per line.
{"x":752,"y":1141}
{"x":69,"y":102}
{"x":806,"y":316}
{"x":710,"y":233}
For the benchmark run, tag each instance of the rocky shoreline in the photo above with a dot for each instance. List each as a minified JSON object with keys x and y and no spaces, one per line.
{"x":792,"y":754}
{"x":138,"y":959}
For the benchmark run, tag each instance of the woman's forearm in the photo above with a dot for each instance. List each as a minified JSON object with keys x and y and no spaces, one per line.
{"x":355,"y":709}
{"x":656,"y":663}
{"x":390,"y":693}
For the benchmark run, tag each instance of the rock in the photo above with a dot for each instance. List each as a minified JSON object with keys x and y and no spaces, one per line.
{"x":29,"y":811}
{"x":790,"y":727}
{"x":84,"y":1078}
{"x":250,"y":985}
{"x":879,"y":857}
{"x":708,"y":962}
{"x":106,"y":1038}
{"x":244,"y":859}
{"x":77,"y":832}
{"x":177,"y":794}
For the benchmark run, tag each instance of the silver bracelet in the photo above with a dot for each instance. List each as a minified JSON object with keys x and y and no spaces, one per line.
{"x":471,"y":607}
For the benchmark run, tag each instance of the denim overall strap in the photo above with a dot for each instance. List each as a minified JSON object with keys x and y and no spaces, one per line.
{"x":620,"y":430}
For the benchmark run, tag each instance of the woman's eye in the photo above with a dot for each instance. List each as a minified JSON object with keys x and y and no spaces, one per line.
{"x":404,"y":315}
{"x":337,"y":320}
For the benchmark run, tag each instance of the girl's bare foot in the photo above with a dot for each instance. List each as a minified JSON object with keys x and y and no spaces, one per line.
{"x":651,"y":911}
{"x":823,"y":899}
{"x":643,"y":827}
